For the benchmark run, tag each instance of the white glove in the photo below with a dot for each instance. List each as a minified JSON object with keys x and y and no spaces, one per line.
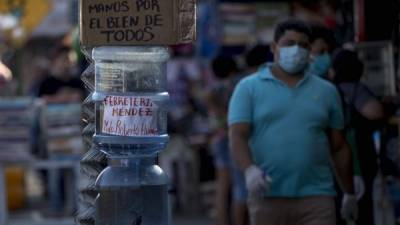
{"x":257,"y":182}
{"x":359,"y":187}
{"x":349,"y":210}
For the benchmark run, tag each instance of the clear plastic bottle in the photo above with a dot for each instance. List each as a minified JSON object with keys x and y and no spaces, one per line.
{"x":132,"y":191}
{"x":131,"y":98}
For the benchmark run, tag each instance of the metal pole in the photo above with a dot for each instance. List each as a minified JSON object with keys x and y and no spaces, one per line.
{"x":359,"y":20}
{"x":3,"y":198}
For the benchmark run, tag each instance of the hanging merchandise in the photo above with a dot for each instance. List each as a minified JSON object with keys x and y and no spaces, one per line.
{"x":238,"y":20}
{"x":209,"y":35}
{"x":94,"y":161}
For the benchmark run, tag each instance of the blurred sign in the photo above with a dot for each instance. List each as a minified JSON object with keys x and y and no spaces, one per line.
{"x":268,"y":15}
{"x":378,"y":61}
{"x":58,"y":21}
{"x":28,"y":14}
{"x":108,"y":22}
{"x":245,"y":23}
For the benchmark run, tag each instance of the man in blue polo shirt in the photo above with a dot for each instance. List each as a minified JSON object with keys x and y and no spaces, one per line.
{"x":285,"y":132}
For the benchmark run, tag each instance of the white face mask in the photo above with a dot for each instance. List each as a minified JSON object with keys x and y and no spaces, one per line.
{"x":293,"y":59}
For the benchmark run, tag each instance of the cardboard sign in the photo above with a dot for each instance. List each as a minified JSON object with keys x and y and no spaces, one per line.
{"x":137,"y":22}
{"x":130,"y":116}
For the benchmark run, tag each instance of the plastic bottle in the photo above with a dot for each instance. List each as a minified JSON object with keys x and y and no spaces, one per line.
{"x":132,"y":191}
{"x":131,"y":98}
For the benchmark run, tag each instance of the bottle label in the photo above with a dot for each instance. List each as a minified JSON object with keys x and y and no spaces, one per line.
{"x":130,"y":116}
{"x":109,"y":78}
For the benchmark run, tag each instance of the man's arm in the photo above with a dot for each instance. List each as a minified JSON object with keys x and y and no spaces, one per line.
{"x":238,"y":141}
{"x":342,"y":161}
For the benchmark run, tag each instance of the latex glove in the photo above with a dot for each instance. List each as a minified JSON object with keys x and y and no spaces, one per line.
{"x":257,"y":182}
{"x":349,"y":210}
{"x":359,"y":187}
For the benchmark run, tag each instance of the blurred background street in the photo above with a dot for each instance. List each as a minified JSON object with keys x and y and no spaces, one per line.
{"x":46,"y":110}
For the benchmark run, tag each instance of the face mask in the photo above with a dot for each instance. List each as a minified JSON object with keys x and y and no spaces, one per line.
{"x":293,"y":59}
{"x":320,"y":65}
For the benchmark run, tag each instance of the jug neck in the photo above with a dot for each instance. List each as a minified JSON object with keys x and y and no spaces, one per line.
{"x":132,"y":161}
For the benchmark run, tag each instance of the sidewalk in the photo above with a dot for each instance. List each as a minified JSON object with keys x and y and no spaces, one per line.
{"x":37,"y":219}
{"x":191,"y":220}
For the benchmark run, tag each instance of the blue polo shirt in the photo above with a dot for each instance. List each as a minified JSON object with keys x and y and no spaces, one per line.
{"x":288,"y":137}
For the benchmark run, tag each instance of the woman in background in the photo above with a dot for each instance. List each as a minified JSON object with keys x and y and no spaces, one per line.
{"x":363,"y":112}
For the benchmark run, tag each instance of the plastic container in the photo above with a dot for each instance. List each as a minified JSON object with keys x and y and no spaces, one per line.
{"x":130,"y":97}
{"x":132,"y":191}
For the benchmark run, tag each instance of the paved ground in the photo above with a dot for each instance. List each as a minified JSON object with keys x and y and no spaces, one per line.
{"x":37,"y":219}
{"x":193,"y":220}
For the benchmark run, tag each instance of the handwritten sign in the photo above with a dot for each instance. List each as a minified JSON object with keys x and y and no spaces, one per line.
{"x":130,"y":116}
{"x":137,"y":21}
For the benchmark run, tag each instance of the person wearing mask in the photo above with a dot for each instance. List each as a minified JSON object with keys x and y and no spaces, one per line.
{"x":363,"y":112}
{"x":322,"y":45}
{"x":229,"y":178}
{"x":284,"y":128}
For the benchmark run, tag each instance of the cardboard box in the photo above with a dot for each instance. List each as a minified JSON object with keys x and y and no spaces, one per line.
{"x":137,"y":22}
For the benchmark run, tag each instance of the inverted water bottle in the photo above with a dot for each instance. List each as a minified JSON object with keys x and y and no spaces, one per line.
{"x":132,"y":191}
{"x":131,"y":98}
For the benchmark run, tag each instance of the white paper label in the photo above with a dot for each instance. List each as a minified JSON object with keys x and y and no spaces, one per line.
{"x":130,"y":116}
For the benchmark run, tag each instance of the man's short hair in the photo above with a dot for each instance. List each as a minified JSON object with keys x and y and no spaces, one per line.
{"x":347,"y":66}
{"x":321,"y":32}
{"x":293,"y":25}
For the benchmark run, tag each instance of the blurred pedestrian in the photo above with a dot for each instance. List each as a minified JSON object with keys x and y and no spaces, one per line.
{"x":5,"y":73}
{"x":322,"y":45}
{"x":63,"y":84}
{"x":363,"y":112}
{"x":255,"y":57}
{"x":229,"y":178}
{"x":8,"y":85}
{"x":39,"y":70}
{"x":184,"y":75}
{"x":282,"y":124}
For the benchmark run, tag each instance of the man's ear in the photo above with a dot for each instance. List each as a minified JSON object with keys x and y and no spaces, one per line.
{"x":331,"y":74}
{"x":273,"y":47}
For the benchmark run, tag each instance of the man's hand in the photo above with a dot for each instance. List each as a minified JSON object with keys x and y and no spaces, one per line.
{"x":257,"y":182}
{"x":349,"y":210}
